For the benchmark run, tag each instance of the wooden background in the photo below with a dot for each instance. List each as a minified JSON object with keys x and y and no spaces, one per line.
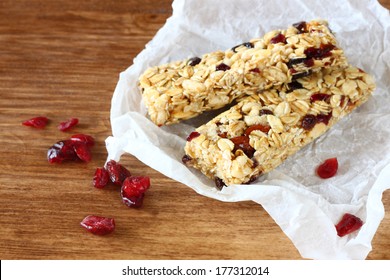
{"x":62,"y":59}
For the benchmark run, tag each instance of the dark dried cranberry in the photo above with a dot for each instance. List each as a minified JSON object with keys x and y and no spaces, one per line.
{"x":294,"y":61}
{"x":328,"y":168}
{"x":101,"y":177}
{"x":308,"y":122}
{"x":319,"y":97}
{"x":301,"y":75}
{"x":37,"y":122}
{"x":82,"y":151}
{"x":255,"y":70}
{"x":223,"y":134}
{"x":348,"y":224}
{"x":317,"y":53}
{"x":324,"y":118}
{"x":64,"y":126}
{"x":242,"y":143}
{"x":98,"y":225}
{"x":61,"y":151}
{"x":133,"y":190}
{"x":194,"y":61}
{"x":118,"y":173}
{"x":222,"y":67}
{"x":265,"y":112}
{"x":280,"y":38}
{"x":87,"y":139}
{"x":192,"y":135}
{"x":249,"y":45}
{"x":309,"y":62}
{"x":219,"y":184}
{"x":263,"y":128}
{"x":185,"y":159}
{"x":293,"y":86}
{"x":301,"y":26}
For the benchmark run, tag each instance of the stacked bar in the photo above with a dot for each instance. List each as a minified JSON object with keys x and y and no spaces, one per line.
{"x":181,"y":90}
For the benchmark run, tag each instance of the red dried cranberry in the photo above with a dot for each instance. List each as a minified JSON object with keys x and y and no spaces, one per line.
{"x":222,"y":67}
{"x":87,"y":139}
{"x":308,"y":122}
{"x":37,"y":122}
{"x":185,"y":159}
{"x":348,"y":224}
{"x":263,"y":128}
{"x":309,"y":62}
{"x":317,"y":53}
{"x":249,"y":45}
{"x":118,"y":173}
{"x":255,"y":70}
{"x":265,"y":112}
{"x":324,"y":118}
{"x":194,"y":61}
{"x":219,"y":184}
{"x":98,"y":225}
{"x":60,"y":151}
{"x":328,"y":168}
{"x":242,"y":143}
{"x":223,"y":134}
{"x":319,"y":97}
{"x":192,"y":135}
{"x":64,"y":126}
{"x":82,"y":151}
{"x":301,"y":26}
{"x":133,"y":190}
{"x":280,"y":38}
{"x":101,"y":177}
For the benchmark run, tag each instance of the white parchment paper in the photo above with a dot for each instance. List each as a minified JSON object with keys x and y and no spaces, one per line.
{"x":303,"y":205}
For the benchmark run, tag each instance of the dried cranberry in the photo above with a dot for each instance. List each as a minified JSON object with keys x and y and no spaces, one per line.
{"x":265,"y":112}
{"x":118,"y":173}
{"x":98,"y":225}
{"x":194,"y":61}
{"x":101,"y":177}
{"x":263,"y":128}
{"x":317,"y":53}
{"x":348,"y":224}
{"x":62,"y":150}
{"x":37,"y":122}
{"x":219,"y":184}
{"x":309,"y":62}
{"x":87,"y":139}
{"x":185,"y":159}
{"x":299,"y":60}
{"x":308,"y":122}
{"x":133,"y":190}
{"x":301,"y":26}
{"x":280,"y":38}
{"x":223,"y":134}
{"x":249,"y":45}
{"x":64,"y":126}
{"x":255,"y":70}
{"x":324,"y":118}
{"x":82,"y":151}
{"x":294,"y":85}
{"x":192,"y":135}
{"x":222,"y":67}
{"x":242,"y":143}
{"x":319,"y":97}
{"x":328,"y":168}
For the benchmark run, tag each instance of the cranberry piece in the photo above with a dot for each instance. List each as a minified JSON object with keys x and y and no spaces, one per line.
{"x":299,"y":60}
{"x":294,"y":85}
{"x":219,"y":184}
{"x":194,"y":61}
{"x":60,"y":151}
{"x":308,"y":122}
{"x":265,"y":112}
{"x":301,"y":26}
{"x":348,"y":224}
{"x":98,"y":225}
{"x":319,"y":97}
{"x":87,"y":139}
{"x":280,"y":38}
{"x":133,"y":190}
{"x":324,"y":118}
{"x":82,"y":151}
{"x":242,"y":143}
{"x":192,"y":135}
{"x":249,"y":45}
{"x":223,"y":134}
{"x":328,"y":168}
{"x":255,"y":70}
{"x":101,"y":177}
{"x":186,"y":159}
{"x":309,"y":62}
{"x":222,"y":67}
{"x":118,"y":173}
{"x":263,"y":128}
{"x":64,"y":126}
{"x":317,"y":53}
{"x":37,"y":122}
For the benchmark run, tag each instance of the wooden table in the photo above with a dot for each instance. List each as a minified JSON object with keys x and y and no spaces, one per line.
{"x":62,"y":59}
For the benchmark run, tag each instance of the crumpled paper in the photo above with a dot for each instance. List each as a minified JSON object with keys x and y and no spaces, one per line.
{"x":303,"y":205}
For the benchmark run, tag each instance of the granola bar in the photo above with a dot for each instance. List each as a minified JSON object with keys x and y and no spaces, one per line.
{"x":262,"y":130}
{"x":181,"y":90}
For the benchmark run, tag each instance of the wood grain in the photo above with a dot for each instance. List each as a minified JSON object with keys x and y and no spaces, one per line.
{"x":62,"y":59}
